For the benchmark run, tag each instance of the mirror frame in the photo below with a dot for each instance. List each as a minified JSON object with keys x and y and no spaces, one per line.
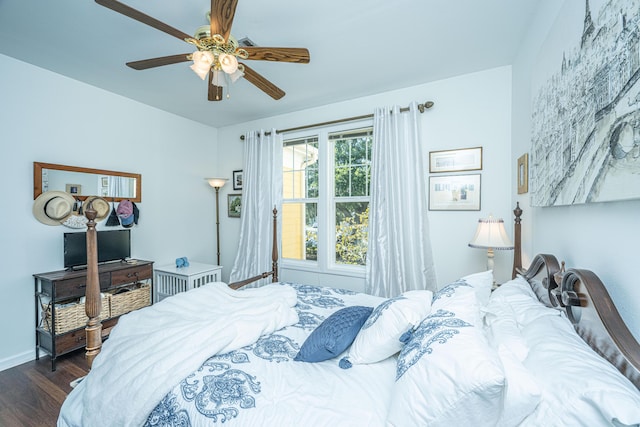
{"x":37,"y":179}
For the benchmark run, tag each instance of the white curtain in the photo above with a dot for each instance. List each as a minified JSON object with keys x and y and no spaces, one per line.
{"x":399,"y":256}
{"x":262,"y":191}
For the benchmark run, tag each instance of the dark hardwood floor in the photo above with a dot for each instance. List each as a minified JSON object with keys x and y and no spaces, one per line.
{"x":31,"y":394}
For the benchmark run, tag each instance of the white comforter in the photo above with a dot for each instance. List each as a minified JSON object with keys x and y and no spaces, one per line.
{"x":122,"y":389}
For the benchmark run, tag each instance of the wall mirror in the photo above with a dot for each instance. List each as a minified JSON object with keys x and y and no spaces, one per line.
{"x":84,"y":182}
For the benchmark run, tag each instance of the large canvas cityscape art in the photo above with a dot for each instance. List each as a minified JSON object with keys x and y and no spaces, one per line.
{"x":586,"y":106}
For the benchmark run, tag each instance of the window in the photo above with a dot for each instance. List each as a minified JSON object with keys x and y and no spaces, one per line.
{"x":326,"y":179}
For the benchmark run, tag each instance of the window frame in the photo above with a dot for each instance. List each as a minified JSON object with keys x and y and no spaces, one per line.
{"x":326,"y":203}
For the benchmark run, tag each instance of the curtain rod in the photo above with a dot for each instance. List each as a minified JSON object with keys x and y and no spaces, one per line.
{"x":421,"y":108}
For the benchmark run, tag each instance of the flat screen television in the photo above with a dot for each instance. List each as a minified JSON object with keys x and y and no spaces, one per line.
{"x":113,"y":245}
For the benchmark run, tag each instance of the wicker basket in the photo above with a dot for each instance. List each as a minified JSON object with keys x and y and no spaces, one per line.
{"x":133,"y":299}
{"x":73,"y":316}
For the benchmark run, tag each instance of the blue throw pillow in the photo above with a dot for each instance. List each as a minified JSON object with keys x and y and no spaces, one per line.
{"x":334,"y":335}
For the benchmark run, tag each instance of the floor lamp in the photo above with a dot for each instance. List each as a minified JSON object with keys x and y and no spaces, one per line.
{"x":217,"y":183}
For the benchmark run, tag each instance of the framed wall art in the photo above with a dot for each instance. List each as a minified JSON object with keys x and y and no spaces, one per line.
{"x":523,"y":173}
{"x":237,"y":180}
{"x":74,"y":189}
{"x":234,"y":205}
{"x":454,"y":192}
{"x":464,"y":159}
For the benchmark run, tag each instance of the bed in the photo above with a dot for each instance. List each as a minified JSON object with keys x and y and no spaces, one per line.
{"x":290,"y":354}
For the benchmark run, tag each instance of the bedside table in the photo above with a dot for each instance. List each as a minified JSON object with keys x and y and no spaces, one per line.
{"x":170,"y":280}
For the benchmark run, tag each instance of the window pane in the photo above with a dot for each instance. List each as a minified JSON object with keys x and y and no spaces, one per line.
{"x":342,"y":183}
{"x":300,"y":168}
{"x":360,"y":151}
{"x":312,"y":180}
{"x":352,"y":159}
{"x":341,"y":149}
{"x":300,"y":231}
{"x":360,"y":180}
{"x":352,"y":231}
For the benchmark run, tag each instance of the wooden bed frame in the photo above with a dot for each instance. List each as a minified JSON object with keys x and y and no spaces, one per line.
{"x":578,"y":292}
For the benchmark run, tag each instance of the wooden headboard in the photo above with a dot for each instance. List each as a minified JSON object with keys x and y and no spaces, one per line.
{"x":585,"y":300}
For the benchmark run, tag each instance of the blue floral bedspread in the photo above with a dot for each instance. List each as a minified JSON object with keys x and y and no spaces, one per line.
{"x":261,"y":384}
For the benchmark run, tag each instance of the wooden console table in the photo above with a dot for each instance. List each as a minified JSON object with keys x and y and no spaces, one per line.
{"x":57,"y":288}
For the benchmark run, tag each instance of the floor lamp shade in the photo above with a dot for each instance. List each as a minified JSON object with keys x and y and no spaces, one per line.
{"x":217,"y":183}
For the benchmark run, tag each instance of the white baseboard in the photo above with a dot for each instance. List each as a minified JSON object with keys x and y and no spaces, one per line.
{"x":17,"y":359}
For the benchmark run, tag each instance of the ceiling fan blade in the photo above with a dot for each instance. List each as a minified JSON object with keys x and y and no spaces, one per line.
{"x":158,"y":62}
{"x":141,"y":17}
{"x":280,"y":54}
{"x":263,"y":84}
{"x":222,"y":13}
{"x":214,"y":93}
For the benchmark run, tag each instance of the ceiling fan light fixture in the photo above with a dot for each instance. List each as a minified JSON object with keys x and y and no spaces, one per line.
{"x":203,"y":57}
{"x":200,"y":70}
{"x":202,"y":61}
{"x":228,"y":63}
{"x":236,"y":75}
{"x":219,"y":78}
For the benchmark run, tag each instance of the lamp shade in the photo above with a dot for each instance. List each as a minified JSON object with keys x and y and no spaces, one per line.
{"x":216,"y":182}
{"x":491,"y":234}
{"x":228,"y":63}
{"x":202,"y":61}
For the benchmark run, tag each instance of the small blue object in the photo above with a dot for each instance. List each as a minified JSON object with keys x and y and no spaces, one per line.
{"x":345,"y":363}
{"x":182,"y":262}
{"x":404,"y":338}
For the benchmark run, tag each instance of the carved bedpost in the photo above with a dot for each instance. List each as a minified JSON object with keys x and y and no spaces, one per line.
{"x":274,"y":249}
{"x":517,"y":242}
{"x":93,"y":301}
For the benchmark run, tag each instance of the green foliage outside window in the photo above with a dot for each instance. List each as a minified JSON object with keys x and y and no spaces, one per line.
{"x":352,"y":238}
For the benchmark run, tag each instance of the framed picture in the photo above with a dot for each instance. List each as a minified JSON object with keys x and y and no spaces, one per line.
{"x":234,"y":205}
{"x":454,"y":193}
{"x":237,"y":180}
{"x":523,"y":173}
{"x":464,"y":159}
{"x":74,"y":189}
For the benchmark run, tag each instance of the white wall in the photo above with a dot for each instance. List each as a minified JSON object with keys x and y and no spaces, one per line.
{"x":470,"y":110}
{"x":602,"y":237}
{"x":49,"y":118}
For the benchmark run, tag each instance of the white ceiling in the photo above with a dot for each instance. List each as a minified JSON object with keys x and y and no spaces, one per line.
{"x":357,"y":48}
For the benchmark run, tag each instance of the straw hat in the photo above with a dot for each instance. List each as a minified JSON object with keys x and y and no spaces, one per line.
{"x":53,"y":207}
{"x":100,"y":205}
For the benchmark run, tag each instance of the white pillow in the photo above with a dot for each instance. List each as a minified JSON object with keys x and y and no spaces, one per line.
{"x":379,"y":337}
{"x":480,"y":282}
{"x":518,"y":295}
{"x":515,"y":287}
{"x":576,"y":382}
{"x":447,"y":373}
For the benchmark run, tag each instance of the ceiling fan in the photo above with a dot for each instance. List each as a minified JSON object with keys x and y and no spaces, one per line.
{"x":217,"y":51}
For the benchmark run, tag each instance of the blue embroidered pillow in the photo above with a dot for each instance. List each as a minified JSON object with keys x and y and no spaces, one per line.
{"x":334,"y":335}
{"x":448,"y":352}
